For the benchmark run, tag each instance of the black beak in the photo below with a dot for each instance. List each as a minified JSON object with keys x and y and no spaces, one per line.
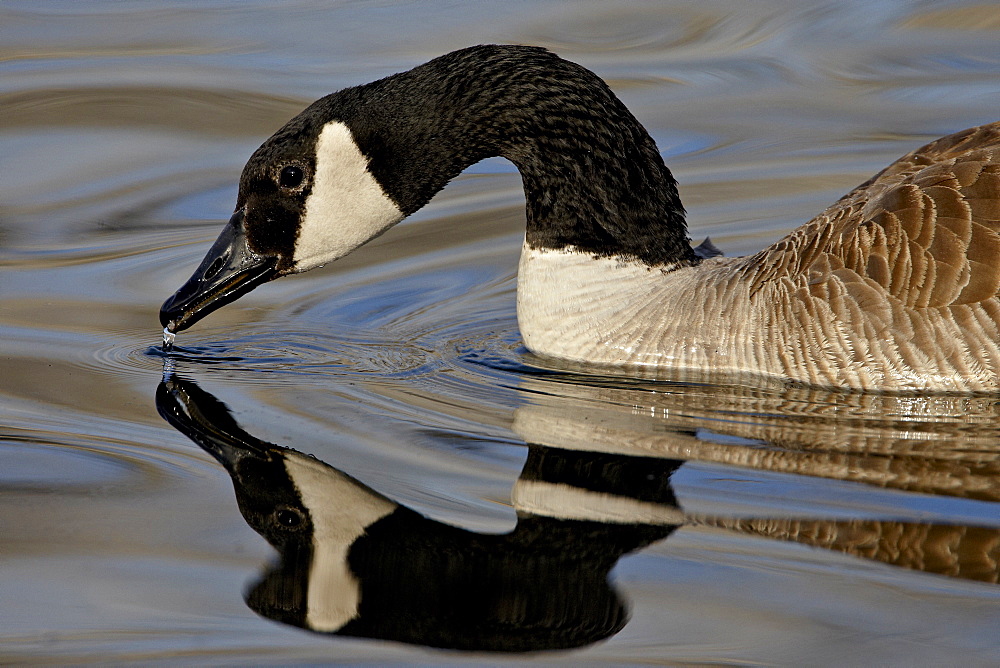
{"x":229,"y":271}
{"x":206,"y":421}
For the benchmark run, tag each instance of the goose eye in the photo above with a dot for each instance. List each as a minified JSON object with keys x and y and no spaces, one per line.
{"x":288,"y":518}
{"x":291,"y":177}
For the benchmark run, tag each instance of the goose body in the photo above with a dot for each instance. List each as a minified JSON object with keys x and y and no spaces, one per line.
{"x":895,"y":287}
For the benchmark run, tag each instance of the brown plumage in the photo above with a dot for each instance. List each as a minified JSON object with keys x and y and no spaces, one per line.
{"x":970,"y":553}
{"x":907,"y":266}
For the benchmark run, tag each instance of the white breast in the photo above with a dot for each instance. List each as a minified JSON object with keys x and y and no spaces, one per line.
{"x":576,"y":307}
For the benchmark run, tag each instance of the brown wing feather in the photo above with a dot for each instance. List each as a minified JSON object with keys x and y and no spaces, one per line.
{"x":972,"y":553}
{"x":926,"y":231}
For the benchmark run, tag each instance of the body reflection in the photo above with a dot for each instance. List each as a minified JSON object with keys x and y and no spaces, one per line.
{"x":595,"y":486}
{"x":945,"y":445}
{"x":354,"y":563}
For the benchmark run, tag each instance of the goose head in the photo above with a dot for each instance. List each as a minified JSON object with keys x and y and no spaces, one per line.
{"x":307,"y":197}
{"x":356,"y":162}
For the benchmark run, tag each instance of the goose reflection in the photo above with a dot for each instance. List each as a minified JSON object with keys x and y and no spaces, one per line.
{"x":353,"y":562}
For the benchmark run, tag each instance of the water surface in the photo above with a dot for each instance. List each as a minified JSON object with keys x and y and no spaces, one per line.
{"x":714,"y":524}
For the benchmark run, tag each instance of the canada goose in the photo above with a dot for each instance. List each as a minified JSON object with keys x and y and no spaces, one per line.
{"x":894,"y":287}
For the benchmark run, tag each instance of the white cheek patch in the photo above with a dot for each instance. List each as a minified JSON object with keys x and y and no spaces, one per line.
{"x":346,"y":207}
{"x":341,"y":508}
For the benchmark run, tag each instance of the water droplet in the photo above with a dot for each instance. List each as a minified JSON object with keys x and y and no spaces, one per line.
{"x":168,"y":340}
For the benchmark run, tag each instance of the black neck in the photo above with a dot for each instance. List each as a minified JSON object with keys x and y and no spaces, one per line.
{"x":593,"y":178}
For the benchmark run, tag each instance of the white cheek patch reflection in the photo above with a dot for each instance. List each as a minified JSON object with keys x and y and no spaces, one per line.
{"x":341,"y":508}
{"x":346,"y":206}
